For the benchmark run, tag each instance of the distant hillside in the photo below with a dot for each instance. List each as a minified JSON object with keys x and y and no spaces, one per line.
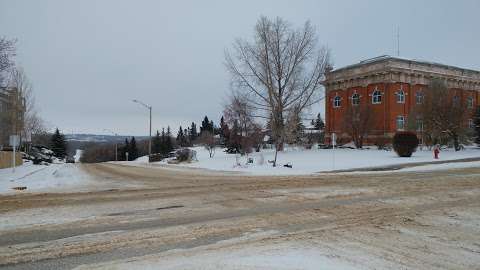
{"x":100,"y":138}
{"x":82,"y":141}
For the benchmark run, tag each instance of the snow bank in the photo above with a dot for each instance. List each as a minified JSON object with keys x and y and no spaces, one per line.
{"x":232,"y":254}
{"x":43,"y":178}
{"x":316,"y":160}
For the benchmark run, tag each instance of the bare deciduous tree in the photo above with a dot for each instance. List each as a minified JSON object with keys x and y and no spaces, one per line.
{"x":357,"y":123}
{"x":443,"y":114}
{"x":280,"y":70}
{"x":207,"y":139}
{"x":7,"y":52}
{"x":32,"y":123}
{"x":240,"y":113}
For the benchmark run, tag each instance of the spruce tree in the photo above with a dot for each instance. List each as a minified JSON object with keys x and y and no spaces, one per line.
{"x":476,"y":123}
{"x":133,"y":154}
{"x":186,"y":137}
{"x":180,"y":136}
{"x":168,"y":142}
{"x":156,"y":143}
{"x":58,"y":144}
{"x":319,"y":124}
{"x":205,"y":125}
{"x":193,"y":132}
{"x":163,"y":142}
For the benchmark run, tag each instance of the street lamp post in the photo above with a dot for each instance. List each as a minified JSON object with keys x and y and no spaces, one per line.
{"x":116,"y":143}
{"x":150,"y":130}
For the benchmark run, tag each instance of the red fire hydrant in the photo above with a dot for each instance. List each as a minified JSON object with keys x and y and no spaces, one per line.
{"x":436,"y":151}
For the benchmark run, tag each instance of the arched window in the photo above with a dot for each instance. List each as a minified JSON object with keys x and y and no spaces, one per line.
{"x":337,"y":101}
{"x":376,"y":97}
{"x":400,"y":96}
{"x":400,"y":122}
{"x":355,"y":99}
{"x":470,"y":102}
{"x":419,"y":97}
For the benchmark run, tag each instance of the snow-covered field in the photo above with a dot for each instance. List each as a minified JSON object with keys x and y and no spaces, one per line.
{"x":306,"y":161}
{"x":57,"y":177}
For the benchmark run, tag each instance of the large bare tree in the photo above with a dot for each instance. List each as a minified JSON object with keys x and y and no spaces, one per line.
{"x":443,"y":114}
{"x":279,"y":71}
{"x":357,"y":123}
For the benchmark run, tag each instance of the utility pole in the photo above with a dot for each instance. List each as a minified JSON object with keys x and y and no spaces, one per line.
{"x":150,"y":129}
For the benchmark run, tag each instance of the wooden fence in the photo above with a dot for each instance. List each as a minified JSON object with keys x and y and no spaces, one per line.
{"x":6,"y":159}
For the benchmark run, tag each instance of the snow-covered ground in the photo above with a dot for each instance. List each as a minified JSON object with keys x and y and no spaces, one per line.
{"x":233,"y":254}
{"x":57,"y":177}
{"x":306,"y":161}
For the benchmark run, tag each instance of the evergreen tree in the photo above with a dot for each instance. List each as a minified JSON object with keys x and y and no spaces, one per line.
{"x":133,"y":153}
{"x":58,"y":144}
{"x":180,"y":137}
{"x":193,"y":132}
{"x":186,"y":137}
{"x":319,"y":124}
{"x":156,"y":143}
{"x":476,"y":123}
{"x":168,"y":141}
{"x":163,"y":140}
{"x":207,"y":125}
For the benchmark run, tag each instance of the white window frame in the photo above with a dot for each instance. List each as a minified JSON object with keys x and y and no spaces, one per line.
{"x":400,"y":96}
{"x":376,"y":93}
{"x":355,"y":96}
{"x":336,"y":99}
{"x":419,"y":97}
{"x":400,"y":119}
{"x":469,"y":102}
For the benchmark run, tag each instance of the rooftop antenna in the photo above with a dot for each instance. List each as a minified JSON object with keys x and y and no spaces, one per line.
{"x":398,"y":41}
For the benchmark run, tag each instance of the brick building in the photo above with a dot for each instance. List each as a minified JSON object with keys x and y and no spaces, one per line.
{"x":391,"y":87}
{"x":12,"y":113}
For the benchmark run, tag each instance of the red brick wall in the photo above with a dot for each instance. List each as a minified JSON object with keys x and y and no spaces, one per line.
{"x":385,"y":114}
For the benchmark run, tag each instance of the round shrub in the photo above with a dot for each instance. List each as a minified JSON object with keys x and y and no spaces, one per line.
{"x":405,"y":143}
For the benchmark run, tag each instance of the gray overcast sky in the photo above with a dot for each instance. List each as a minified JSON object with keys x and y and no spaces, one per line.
{"x":88,"y":59}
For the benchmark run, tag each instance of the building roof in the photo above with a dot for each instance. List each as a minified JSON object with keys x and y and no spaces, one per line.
{"x":386,"y":58}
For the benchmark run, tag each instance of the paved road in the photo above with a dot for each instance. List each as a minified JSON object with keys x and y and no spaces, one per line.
{"x":174,"y":209}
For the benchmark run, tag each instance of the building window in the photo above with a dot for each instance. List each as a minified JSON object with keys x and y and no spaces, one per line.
{"x":400,"y":122}
{"x":470,"y":102}
{"x":337,"y":101}
{"x":419,"y":97}
{"x":456,"y":100}
{"x":376,"y":97}
{"x":400,"y":96}
{"x":471,"y":124}
{"x":355,"y":99}
{"x":419,"y":124}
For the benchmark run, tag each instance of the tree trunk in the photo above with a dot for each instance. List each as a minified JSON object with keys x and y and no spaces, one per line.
{"x":456,"y":143}
{"x":276,"y":153}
